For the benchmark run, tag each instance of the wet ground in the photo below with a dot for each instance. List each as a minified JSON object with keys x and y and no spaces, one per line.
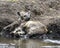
{"x":25,"y":43}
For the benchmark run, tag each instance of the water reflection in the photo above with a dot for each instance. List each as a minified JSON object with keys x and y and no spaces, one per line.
{"x":26,"y":43}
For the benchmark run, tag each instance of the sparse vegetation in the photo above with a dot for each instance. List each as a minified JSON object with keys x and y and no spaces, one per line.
{"x":10,"y":0}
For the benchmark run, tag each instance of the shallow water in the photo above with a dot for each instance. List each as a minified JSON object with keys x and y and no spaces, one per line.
{"x":23,"y":43}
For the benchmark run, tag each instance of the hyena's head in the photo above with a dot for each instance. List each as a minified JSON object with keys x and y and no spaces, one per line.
{"x":24,"y":15}
{"x":18,"y":32}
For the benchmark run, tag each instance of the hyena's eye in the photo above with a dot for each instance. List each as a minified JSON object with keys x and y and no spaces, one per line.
{"x":18,"y":30}
{"x":24,"y":15}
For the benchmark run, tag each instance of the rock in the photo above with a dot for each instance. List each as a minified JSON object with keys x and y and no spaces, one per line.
{"x":53,"y":31}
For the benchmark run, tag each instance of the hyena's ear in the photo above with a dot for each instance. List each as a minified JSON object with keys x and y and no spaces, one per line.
{"x":18,"y":13}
